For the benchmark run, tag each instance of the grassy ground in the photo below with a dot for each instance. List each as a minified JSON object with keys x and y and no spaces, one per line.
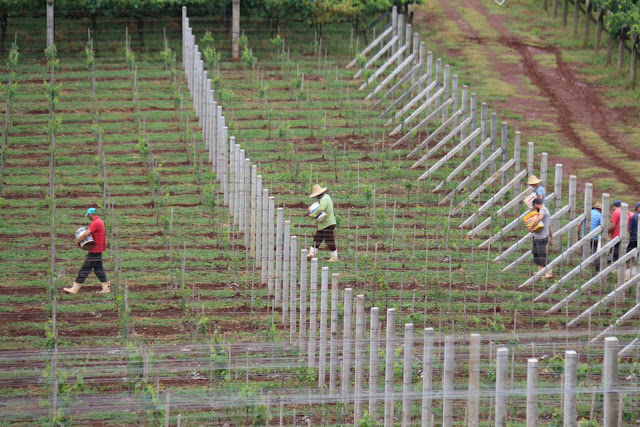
{"x":480,"y":44}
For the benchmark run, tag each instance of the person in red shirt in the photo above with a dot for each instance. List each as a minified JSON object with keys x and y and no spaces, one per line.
{"x":614,"y":227}
{"x":93,"y":261}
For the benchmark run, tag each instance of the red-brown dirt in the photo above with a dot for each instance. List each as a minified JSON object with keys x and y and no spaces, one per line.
{"x":573,"y":102}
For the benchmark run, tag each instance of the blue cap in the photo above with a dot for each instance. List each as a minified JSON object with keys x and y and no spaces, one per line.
{"x":637,"y":205}
{"x":617,"y":203}
{"x":90,"y":211}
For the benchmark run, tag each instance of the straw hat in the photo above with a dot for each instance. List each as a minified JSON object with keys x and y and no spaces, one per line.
{"x":317,"y":190}
{"x":597,"y":205}
{"x":533,"y":180}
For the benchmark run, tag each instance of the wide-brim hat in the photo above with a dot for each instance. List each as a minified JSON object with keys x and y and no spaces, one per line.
{"x":317,"y":190}
{"x":597,"y":205}
{"x":533,"y":180}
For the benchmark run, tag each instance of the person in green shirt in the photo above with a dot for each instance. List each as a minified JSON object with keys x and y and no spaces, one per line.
{"x":325,"y":226}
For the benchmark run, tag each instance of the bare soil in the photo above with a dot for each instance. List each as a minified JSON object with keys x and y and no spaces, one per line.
{"x":573,"y":102}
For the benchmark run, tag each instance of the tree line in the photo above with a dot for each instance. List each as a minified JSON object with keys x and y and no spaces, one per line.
{"x":312,"y":12}
{"x":621,"y":17}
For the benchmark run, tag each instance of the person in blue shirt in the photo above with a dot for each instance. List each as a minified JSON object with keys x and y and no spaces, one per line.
{"x":596,"y":220}
{"x":633,"y":229}
{"x":534,"y":182}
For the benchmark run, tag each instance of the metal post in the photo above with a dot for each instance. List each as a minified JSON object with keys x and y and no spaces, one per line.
{"x":504,"y":135}
{"x":246,"y":202}
{"x":345,"y":378}
{"x":374,"y":358}
{"x":532,"y":393}
{"x":517,"y":146}
{"x":303,"y":301}
{"x":278,"y":270}
{"x":483,"y":127}
{"x":448,"y":382}
{"x":494,"y":139}
{"x":624,"y":241}
{"x":324,"y":293}
{"x":573,"y":185}
{"x":333,"y":356}
{"x":502,"y":367}
{"x":313,"y":307}
{"x":588,"y":194}
{"x":557,"y":189}
{"x":253,"y":211}
{"x":359,"y":357}
{"x":293,"y":293}
{"x":611,"y":382}
{"x":389,"y":363}
{"x":474,"y":112}
{"x":258,"y":222}
{"x":604,"y":237}
{"x":473,"y":408}
{"x":286,"y":253}
{"x":264,"y":245}
{"x":270,"y":255}
{"x":235,"y":30}
{"x":544,"y":166}
{"x":407,"y":377}
{"x":570,"y":384}
{"x":427,"y":377}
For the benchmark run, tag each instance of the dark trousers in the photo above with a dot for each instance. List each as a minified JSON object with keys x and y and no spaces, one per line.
{"x":633,"y":243}
{"x":92,"y":262}
{"x":616,"y":252}
{"x":326,"y":235}
{"x":594,"y":249}
{"x":539,"y":251}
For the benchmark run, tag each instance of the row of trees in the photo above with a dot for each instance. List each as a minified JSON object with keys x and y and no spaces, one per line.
{"x":312,"y":12}
{"x":621,"y":18}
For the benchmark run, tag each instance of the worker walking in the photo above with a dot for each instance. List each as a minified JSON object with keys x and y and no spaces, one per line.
{"x":538,"y":189}
{"x":633,"y":229}
{"x":596,"y":221}
{"x":326,"y":223}
{"x":541,"y":235}
{"x":93,"y":261}
{"x":614,"y":226}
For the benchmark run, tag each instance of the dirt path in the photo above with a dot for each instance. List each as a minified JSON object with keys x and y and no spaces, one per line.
{"x":574,"y":104}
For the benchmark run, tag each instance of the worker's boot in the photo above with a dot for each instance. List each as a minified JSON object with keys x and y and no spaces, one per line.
{"x":74,"y":289}
{"x":549,"y":275}
{"x":106,"y":288}
{"x":334,"y":256}
{"x":312,"y":253}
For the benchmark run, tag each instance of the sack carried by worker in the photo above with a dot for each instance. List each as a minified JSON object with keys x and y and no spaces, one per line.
{"x":314,"y":212}
{"x":529,"y":218}
{"x":528,"y":201}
